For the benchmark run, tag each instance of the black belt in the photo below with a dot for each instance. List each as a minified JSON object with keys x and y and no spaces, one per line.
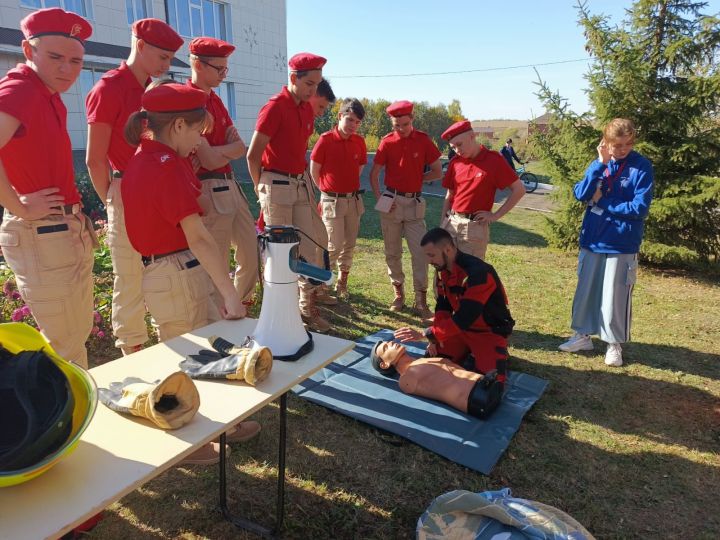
{"x":404,"y":193}
{"x":343,"y":195}
{"x":214,"y":175}
{"x":68,"y":209}
{"x":117,"y":174}
{"x":466,"y":215}
{"x":153,"y":258}
{"x":283,"y":173}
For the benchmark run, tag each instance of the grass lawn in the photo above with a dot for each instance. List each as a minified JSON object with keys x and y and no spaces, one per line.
{"x":630,"y":452}
{"x":538,"y":169}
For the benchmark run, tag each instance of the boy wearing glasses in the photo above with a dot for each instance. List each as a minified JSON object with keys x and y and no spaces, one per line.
{"x":227,"y":213}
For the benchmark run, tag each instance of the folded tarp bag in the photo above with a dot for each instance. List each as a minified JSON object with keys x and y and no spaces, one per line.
{"x":37,"y":405}
{"x":169,"y":404}
{"x":46,"y":403}
{"x":249,"y":362}
{"x":495,"y":515}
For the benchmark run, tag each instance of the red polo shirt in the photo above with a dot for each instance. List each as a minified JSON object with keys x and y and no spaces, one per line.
{"x":340,"y":161}
{"x":289,"y":126}
{"x":222,"y":122}
{"x":475,"y":181}
{"x":111,"y":101}
{"x":39,"y":154}
{"x":159,"y":189}
{"x":404,"y":159}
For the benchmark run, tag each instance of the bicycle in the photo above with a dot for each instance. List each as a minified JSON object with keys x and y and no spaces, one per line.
{"x":529,"y":180}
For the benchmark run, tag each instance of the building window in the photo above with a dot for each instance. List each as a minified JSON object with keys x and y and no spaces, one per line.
{"x":137,"y":9}
{"x":81,"y":7}
{"x":88,"y":78}
{"x":193,"y":18}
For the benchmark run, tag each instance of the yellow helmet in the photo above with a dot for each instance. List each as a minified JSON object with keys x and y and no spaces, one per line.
{"x":18,"y":337}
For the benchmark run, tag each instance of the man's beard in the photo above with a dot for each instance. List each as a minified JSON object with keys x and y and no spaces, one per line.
{"x":444,"y":266}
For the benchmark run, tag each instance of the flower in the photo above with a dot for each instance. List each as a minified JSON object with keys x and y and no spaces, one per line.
{"x":15,"y":295}
{"x":101,"y":334}
{"x":97,"y":317}
{"x":7,"y":288}
{"x":26,"y":311}
{"x":17,"y":315}
{"x":94,"y":330}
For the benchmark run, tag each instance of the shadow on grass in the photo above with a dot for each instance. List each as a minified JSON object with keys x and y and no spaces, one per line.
{"x":679,"y":360}
{"x":504,"y":234}
{"x":665,"y":412}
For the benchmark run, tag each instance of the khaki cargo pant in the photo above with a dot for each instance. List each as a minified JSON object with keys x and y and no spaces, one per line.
{"x":287,"y":201}
{"x":470,"y":236}
{"x":230,"y":222}
{"x":341,"y":216}
{"x":320,"y":234}
{"x":128,"y":304}
{"x":407,"y":220}
{"x":179,"y":295}
{"x":52,"y":259}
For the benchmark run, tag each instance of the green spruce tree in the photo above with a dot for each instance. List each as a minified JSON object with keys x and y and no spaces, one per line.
{"x":660,"y":69}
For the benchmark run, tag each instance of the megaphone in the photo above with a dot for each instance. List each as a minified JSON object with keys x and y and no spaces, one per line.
{"x":280,"y":326}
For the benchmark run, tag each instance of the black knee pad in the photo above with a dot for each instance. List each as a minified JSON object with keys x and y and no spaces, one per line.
{"x":485,"y":396}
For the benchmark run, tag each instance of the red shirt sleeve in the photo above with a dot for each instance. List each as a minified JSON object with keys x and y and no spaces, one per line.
{"x":363,"y":150}
{"x":17,"y":100}
{"x":506,"y":175}
{"x":269,"y":119}
{"x":381,"y":154}
{"x":448,"y":181}
{"x":101,"y":105}
{"x":318,"y":151}
{"x":181,"y":199}
{"x":432,"y":154}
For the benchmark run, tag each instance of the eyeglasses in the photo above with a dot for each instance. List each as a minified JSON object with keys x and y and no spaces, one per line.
{"x":222,"y":71}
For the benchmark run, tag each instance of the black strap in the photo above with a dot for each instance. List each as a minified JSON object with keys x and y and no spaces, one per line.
{"x":302,"y":351}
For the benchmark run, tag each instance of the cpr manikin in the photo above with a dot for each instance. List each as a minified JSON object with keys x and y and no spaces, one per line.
{"x":439,"y":379}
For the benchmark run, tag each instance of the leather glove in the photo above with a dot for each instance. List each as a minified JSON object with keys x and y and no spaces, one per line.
{"x":247,"y":362}
{"x":169,"y":404}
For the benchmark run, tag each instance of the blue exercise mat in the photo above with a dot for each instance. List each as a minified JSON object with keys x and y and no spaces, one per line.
{"x":351,"y":386}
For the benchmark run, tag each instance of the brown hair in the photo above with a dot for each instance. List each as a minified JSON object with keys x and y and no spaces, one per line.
{"x":619,"y":127}
{"x":141,"y":121}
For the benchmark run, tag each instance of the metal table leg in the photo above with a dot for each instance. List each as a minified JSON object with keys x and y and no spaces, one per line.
{"x":242,"y":522}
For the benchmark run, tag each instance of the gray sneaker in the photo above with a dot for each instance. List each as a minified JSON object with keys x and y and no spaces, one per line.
{"x":578,"y":342}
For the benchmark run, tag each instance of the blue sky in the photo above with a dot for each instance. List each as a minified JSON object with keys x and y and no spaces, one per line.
{"x":373,"y":37}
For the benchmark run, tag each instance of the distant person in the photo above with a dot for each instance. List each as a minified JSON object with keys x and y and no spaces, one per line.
{"x":618,"y":190}
{"x":451,"y":153}
{"x":472,"y":180}
{"x":509,"y":154}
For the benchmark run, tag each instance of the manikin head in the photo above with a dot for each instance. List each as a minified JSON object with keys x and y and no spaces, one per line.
{"x":385,"y":355}
{"x":439,"y":248}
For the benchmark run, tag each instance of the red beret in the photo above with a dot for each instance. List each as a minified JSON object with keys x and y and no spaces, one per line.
{"x":158,"y":34}
{"x":456,"y":129}
{"x":306,"y":61}
{"x":400,"y":108}
{"x":173,"y":97}
{"x":207,"y":46}
{"x":55,"y":22}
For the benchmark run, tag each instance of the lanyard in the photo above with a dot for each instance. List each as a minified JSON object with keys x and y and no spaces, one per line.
{"x":611,"y":179}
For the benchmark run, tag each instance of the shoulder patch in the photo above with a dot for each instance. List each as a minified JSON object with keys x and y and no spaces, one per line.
{"x":165,"y":158}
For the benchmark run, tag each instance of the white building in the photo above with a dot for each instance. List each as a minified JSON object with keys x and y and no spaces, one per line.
{"x":258,"y":67}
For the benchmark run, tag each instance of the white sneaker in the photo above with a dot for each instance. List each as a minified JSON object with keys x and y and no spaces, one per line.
{"x":613,"y":356}
{"x":578,"y":342}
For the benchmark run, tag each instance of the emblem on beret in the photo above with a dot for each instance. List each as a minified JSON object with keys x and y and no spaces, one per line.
{"x":75,"y":30}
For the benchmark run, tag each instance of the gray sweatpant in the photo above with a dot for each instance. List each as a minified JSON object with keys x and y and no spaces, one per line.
{"x":603,"y":297}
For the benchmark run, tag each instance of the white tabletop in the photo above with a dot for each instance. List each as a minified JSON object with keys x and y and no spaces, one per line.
{"x":118,"y":453}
